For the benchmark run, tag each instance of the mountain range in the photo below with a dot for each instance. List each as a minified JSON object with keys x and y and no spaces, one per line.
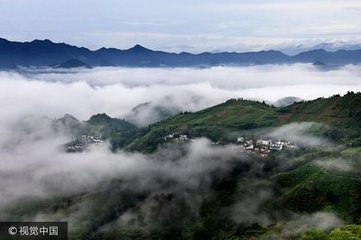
{"x":47,"y":53}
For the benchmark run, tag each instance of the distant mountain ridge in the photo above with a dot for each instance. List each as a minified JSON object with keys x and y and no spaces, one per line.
{"x":48,"y":53}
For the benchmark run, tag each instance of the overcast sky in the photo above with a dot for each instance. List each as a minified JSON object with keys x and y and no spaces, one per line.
{"x":187,"y":25}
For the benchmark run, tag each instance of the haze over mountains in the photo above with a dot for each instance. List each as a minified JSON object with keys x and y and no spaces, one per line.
{"x":48,"y":53}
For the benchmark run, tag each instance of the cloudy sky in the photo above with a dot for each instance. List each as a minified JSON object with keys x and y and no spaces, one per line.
{"x":187,"y":25}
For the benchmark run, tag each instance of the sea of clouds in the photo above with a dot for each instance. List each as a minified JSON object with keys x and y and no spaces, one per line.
{"x":116,"y":91}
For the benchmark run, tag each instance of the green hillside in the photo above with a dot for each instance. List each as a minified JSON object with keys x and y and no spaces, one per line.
{"x":341,"y":117}
{"x":247,"y":114}
{"x":335,"y":110}
{"x":240,"y":114}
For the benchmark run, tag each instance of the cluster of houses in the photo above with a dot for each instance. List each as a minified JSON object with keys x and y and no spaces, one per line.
{"x":176,"y":138}
{"x":83,"y":142}
{"x":263,"y":146}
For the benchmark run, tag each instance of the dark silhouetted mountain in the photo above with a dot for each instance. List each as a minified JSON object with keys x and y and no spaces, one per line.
{"x":318,"y":63}
{"x":73,"y":63}
{"x":325,"y":67}
{"x":46,"y":53}
{"x":340,"y":57}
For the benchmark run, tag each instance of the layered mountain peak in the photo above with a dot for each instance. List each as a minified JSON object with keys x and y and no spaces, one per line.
{"x":139,"y":48}
{"x":45,"y":41}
